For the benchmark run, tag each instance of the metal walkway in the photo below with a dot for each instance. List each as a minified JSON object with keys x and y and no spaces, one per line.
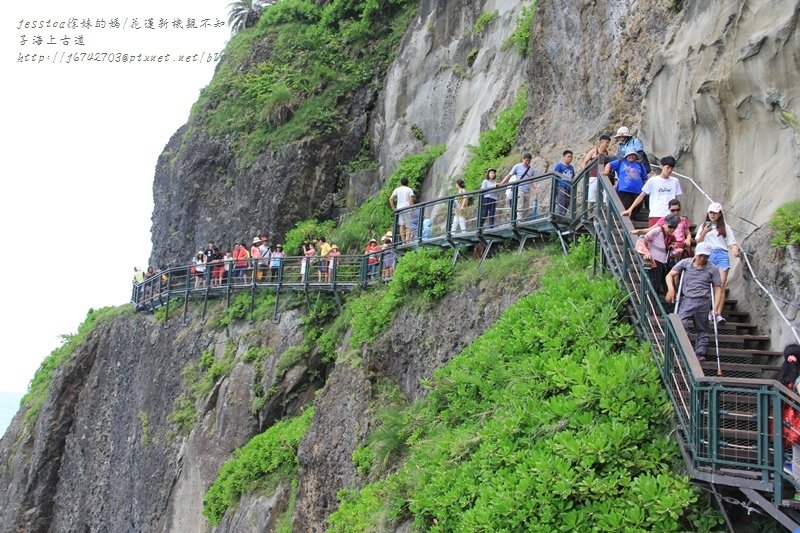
{"x":724,"y":424}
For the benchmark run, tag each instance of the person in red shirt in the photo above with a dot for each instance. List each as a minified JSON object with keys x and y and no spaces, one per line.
{"x":240,"y":262}
{"x":372,"y":251}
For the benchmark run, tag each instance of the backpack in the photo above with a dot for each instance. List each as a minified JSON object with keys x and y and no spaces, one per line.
{"x":644,"y":161}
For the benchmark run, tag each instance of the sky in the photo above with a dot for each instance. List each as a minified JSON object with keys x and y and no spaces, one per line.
{"x":80,"y":141}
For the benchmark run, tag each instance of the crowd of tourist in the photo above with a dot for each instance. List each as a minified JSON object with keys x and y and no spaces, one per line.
{"x":665,"y":244}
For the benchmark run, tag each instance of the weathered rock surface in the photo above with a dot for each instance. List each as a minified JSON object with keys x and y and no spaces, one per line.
{"x":433,"y":87}
{"x":714,"y":84}
{"x":104,"y":455}
{"x":408,"y":352}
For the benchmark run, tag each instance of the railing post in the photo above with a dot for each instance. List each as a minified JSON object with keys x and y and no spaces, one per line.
{"x":777,"y":436}
{"x":169,"y":292}
{"x":449,"y":220}
{"x":479,"y":221}
{"x":362,"y":271}
{"x":514,"y":214}
{"x":713,"y":425}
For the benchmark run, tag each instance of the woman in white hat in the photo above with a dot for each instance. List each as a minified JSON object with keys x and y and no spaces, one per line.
{"x":719,"y":236}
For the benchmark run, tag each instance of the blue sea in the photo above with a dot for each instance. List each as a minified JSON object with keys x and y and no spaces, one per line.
{"x":9,"y":405}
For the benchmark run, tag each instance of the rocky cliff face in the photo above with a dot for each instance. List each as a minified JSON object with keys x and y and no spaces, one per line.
{"x":712,"y":83}
{"x":106,"y":454}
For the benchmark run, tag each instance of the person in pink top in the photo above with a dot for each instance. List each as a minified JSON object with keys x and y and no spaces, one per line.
{"x":255,"y":253}
{"x":333,"y":261}
{"x":681,"y":242}
{"x":654,"y":247}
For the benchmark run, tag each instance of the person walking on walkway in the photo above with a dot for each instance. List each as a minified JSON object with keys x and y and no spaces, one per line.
{"x":402,"y":197}
{"x":695,"y":298}
{"x":460,"y":207}
{"x":720,"y":239}
{"x":489,"y":202}
{"x":789,"y":377}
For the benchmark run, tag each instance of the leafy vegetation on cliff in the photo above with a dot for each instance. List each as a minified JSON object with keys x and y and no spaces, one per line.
{"x":373,"y":217}
{"x":294,"y":73}
{"x":40,"y":384}
{"x":553,"y":420}
{"x":495,"y":144}
{"x":261,"y":463}
{"x":521,"y":38}
{"x":785,"y":224}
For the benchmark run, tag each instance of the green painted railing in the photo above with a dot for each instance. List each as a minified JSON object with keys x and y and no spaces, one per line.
{"x":725,"y":425}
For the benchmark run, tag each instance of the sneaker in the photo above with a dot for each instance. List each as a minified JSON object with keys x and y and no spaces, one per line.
{"x":720,"y":319}
{"x":787,"y":467}
{"x":710,"y":317}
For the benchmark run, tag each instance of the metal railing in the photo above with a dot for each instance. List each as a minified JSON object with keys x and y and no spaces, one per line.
{"x":772,"y":298}
{"x":725,"y":425}
{"x":546,"y":203}
{"x":224,"y":278}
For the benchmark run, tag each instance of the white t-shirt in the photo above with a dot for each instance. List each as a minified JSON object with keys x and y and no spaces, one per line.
{"x":661,"y":191}
{"x":403,"y":194}
{"x":714,"y":240}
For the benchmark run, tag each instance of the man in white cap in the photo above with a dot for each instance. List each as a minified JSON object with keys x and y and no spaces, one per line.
{"x":626,"y":142}
{"x":695,"y":298}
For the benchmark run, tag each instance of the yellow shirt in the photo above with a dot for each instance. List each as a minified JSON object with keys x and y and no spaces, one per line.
{"x":324,"y":249}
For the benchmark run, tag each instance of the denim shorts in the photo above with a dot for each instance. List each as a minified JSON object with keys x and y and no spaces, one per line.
{"x":719,"y":258}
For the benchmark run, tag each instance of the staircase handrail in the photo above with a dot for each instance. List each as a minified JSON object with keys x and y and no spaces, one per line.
{"x":773,"y":299}
{"x":697,"y":399}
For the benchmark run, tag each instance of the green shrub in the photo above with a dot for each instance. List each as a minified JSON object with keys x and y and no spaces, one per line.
{"x":320,"y":55}
{"x":495,"y":144}
{"x":374,"y":217}
{"x":553,"y":420}
{"x":425,"y":271}
{"x":363,"y":458}
{"x":255,"y":355}
{"x":40,"y":384}
{"x":306,"y":231}
{"x":417,"y":132}
{"x":785,"y":224}
{"x":370,"y":313}
{"x":198,"y":378}
{"x":265,"y":460}
{"x":284,"y":523}
{"x":521,"y":38}
{"x":291,"y":357}
{"x":471,"y":57}
{"x":483,"y":21}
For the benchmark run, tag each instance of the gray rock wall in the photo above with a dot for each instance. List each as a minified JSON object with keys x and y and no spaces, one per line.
{"x":432,"y":87}
{"x":104,"y":455}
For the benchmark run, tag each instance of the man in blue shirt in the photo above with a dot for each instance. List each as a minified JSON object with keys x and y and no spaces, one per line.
{"x":564,"y":184}
{"x":631,"y":176}
{"x":626,"y":142}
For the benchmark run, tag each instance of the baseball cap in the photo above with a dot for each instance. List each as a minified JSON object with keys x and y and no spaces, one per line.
{"x":702,"y":248}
